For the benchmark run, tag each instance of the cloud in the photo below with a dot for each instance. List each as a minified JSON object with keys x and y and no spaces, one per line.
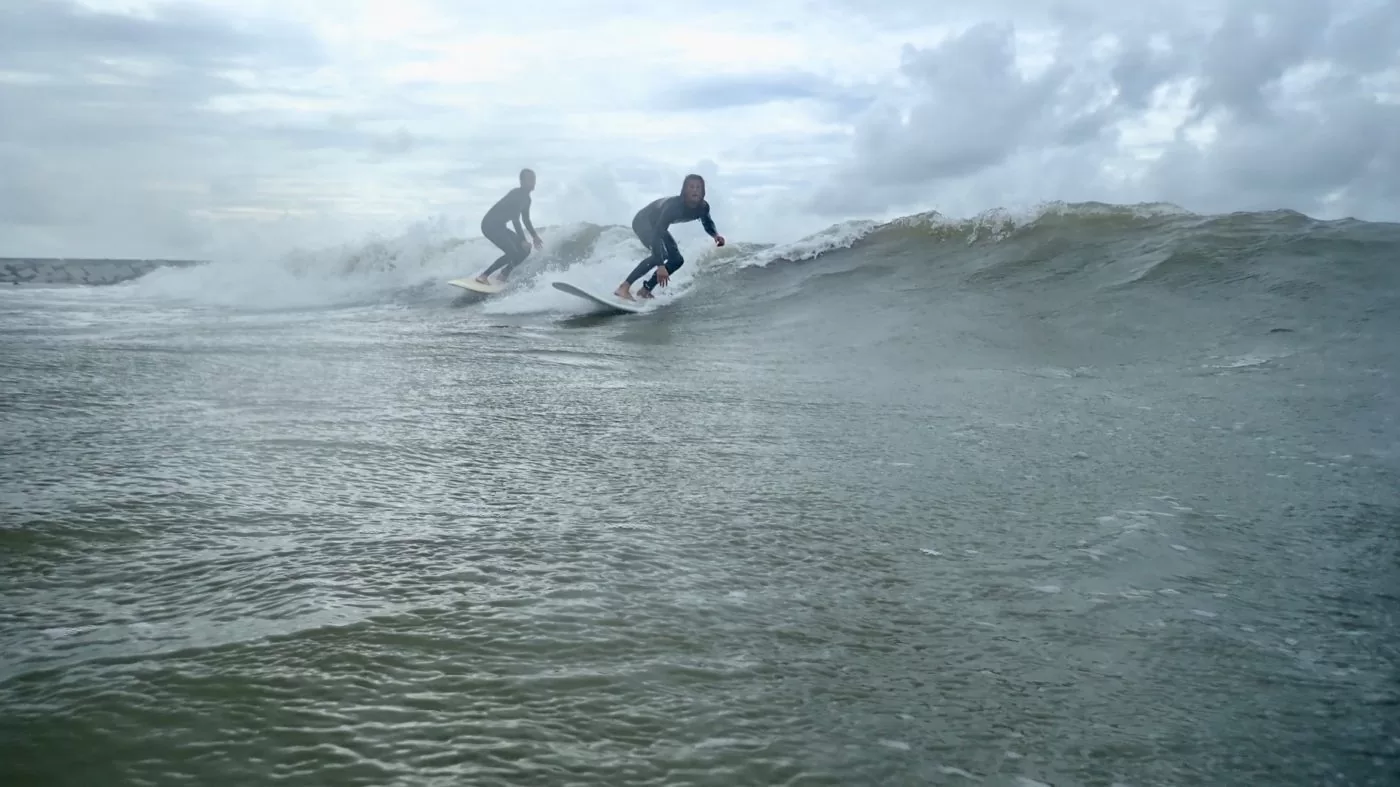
{"x":1258,"y":106}
{"x":1331,"y":149}
{"x":725,"y":91}
{"x":140,"y":127}
{"x":54,"y":34}
{"x":1254,"y":48}
{"x":205,"y":121}
{"x":1289,"y":114}
{"x":111,"y":120}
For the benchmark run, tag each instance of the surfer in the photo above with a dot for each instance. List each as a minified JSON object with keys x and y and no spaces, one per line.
{"x":511,"y":208}
{"x":652,"y":227}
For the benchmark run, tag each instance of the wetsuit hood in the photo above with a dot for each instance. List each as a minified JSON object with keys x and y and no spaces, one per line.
{"x":686,"y":182}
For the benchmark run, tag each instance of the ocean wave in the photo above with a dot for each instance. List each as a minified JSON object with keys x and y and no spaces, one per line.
{"x":1086,"y":247}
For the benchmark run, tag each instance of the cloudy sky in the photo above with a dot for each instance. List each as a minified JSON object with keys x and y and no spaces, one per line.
{"x":147,"y":128}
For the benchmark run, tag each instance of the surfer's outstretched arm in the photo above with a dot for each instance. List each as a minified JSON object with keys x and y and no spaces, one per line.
{"x":709,"y":224}
{"x":525,"y":214}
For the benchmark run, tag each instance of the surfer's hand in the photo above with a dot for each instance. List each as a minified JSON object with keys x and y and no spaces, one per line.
{"x":539,"y":244}
{"x":663,"y":276}
{"x":719,"y":240}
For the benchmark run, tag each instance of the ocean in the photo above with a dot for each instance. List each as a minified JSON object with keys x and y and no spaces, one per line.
{"x":1084,"y":495}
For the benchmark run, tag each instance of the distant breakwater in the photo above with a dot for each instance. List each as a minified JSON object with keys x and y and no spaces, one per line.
{"x":70,"y":270}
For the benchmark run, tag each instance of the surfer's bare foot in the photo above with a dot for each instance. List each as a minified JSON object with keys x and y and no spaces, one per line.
{"x":644,"y":293}
{"x":483,"y":279}
{"x":624,"y":292}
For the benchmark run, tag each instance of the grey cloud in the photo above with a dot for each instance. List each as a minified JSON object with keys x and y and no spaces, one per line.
{"x":1377,"y":192}
{"x":973,"y":115}
{"x":1246,"y":55}
{"x":593,"y":196}
{"x":112,"y":116}
{"x":974,"y":109}
{"x":344,"y":134}
{"x":731,"y":91}
{"x":83,"y":115}
{"x":1068,"y":14}
{"x":726,"y":91}
{"x":81,"y":98}
{"x":1295,"y":157}
{"x":646,"y":177}
{"x":24,"y":199}
{"x":54,"y":34}
{"x":460,"y":175}
{"x":394,"y":143}
{"x":1268,"y":153}
{"x":1366,"y":41}
{"x":779,"y":149}
{"x":1141,"y":69}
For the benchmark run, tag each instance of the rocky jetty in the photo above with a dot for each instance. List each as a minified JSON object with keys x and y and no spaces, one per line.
{"x":14,"y":270}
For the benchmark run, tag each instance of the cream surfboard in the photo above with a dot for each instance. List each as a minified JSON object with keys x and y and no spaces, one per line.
{"x":609,"y":301}
{"x":472,"y":284}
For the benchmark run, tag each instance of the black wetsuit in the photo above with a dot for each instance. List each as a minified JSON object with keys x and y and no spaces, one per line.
{"x":510,"y":208}
{"x":651,"y":225}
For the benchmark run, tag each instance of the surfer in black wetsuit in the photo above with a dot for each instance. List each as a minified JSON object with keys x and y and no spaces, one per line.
{"x":511,"y":208}
{"x":651,"y":225}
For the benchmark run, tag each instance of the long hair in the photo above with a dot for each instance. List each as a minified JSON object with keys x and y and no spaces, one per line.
{"x":686,"y":182}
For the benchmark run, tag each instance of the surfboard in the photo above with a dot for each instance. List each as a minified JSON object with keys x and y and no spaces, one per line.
{"x":472,"y":284}
{"x":610,"y":301}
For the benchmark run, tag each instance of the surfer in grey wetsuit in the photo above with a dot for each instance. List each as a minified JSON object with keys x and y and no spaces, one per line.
{"x":511,"y":208}
{"x":651,"y":225}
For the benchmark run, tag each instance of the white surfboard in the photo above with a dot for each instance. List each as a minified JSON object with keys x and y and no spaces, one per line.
{"x":610,"y":301}
{"x":472,"y":284}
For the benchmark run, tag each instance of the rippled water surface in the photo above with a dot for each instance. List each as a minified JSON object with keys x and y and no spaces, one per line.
{"x":783,"y":541}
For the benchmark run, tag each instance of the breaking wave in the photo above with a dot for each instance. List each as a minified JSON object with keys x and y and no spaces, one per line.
{"x":1082,"y":256}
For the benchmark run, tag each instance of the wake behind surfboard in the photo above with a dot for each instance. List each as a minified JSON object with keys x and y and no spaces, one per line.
{"x":608,"y":301}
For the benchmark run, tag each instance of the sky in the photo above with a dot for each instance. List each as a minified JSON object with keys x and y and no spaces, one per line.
{"x":187,"y":129}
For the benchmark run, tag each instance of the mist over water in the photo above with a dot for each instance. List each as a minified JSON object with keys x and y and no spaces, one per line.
{"x":1091,"y":495}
